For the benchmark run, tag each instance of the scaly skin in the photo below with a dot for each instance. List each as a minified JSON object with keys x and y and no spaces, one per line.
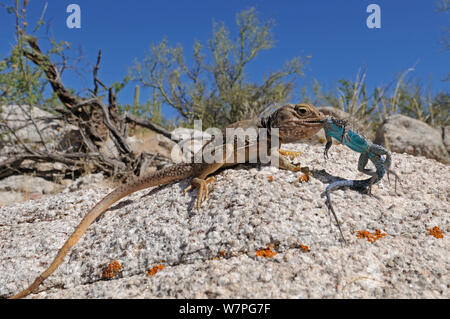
{"x":335,"y":128}
{"x":295,"y":123}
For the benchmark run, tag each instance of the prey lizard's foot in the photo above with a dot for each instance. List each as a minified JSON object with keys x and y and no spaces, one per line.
{"x":396,"y":178}
{"x":331,"y":209}
{"x":202,"y":185}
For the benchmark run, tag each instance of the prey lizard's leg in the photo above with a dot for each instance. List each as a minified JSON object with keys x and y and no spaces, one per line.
{"x":362,"y":162}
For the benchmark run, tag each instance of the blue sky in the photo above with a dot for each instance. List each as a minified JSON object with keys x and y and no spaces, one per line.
{"x":332,"y":32}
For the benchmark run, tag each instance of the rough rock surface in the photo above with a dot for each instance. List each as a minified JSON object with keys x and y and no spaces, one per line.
{"x":446,"y":137}
{"x":28,"y":184}
{"x":403,"y":134}
{"x":24,"y":128}
{"x":212,"y":253}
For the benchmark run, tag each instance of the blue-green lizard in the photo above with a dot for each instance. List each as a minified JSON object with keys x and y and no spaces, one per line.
{"x":377,"y":154}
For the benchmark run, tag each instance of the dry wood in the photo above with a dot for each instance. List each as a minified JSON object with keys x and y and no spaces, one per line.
{"x":96,"y":121}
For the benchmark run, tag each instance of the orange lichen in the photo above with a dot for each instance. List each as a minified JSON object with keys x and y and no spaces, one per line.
{"x":266,"y":253}
{"x":304,"y":248}
{"x":154,"y":270}
{"x":112,"y":270}
{"x":436,"y":232}
{"x":289,"y":153}
{"x":370,"y":236}
{"x":303,"y":178}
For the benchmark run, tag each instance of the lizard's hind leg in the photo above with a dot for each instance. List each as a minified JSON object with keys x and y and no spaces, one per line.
{"x":396,"y":179}
{"x":387,"y":164}
{"x":362,"y":163}
{"x":383,"y":165}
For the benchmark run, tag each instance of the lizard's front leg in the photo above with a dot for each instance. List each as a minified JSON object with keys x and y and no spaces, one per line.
{"x":201,"y":181}
{"x":285,"y":163}
{"x":289,"y":153}
{"x":202,"y":185}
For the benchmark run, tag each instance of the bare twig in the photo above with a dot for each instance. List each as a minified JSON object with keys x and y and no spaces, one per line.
{"x":19,"y":140}
{"x":30,"y":116}
{"x":118,"y":139}
{"x":96,"y":68}
{"x":151,"y":125}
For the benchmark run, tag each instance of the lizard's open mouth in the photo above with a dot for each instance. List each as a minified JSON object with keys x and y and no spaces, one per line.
{"x":308,"y":122}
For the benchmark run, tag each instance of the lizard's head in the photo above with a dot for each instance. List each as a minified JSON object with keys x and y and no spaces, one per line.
{"x":297,"y":122}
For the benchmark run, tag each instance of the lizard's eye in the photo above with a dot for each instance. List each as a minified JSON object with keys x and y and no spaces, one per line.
{"x":301,"y":111}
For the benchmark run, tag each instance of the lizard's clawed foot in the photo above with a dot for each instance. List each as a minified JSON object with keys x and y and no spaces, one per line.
{"x":203,"y":192}
{"x":306,"y":174}
{"x":396,"y":178}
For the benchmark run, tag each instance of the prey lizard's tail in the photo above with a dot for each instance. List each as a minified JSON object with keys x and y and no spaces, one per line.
{"x":161,"y":177}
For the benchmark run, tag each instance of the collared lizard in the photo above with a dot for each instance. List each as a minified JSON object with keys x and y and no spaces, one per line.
{"x":294,"y":123}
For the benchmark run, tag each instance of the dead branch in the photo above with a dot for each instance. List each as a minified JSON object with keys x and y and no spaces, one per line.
{"x":18,"y":139}
{"x":119,"y":140}
{"x":150,"y":125}
{"x":96,"y":121}
{"x":96,"y":68}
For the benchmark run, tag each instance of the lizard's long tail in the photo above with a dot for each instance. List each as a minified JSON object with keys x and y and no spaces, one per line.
{"x":161,"y":177}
